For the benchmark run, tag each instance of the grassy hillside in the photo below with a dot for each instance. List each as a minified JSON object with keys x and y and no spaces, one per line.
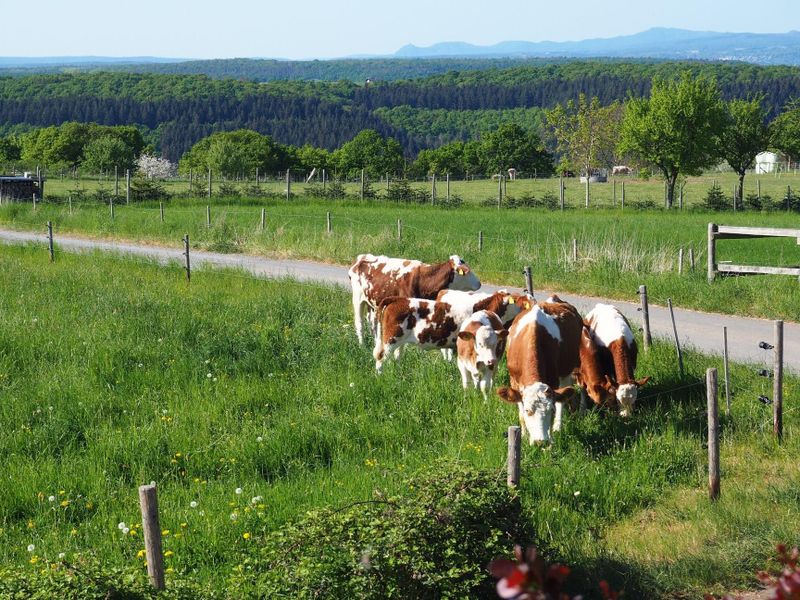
{"x":115,"y":373}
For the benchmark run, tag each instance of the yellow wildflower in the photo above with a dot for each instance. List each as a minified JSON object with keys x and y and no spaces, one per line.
{"x":246,"y":535}
{"x":168,"y":553}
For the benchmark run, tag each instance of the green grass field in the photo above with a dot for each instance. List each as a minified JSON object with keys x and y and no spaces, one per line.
{"x":638,"y":192}
{"x":115,"y":372}
{"x":618,"y":250}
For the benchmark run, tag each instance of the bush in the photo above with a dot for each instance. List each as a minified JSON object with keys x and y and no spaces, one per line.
{"x":148,"y":189}
{"x":753,"y":202}
{"x":228,"y":190}
{"x":86,"y":580}
{"x":400,"y":190}
{"x":716,"y":199}
{"x":548,"y":200}
{"x":433,"y":542}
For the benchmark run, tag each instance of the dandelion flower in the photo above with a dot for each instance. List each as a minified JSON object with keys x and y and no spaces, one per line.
{"x":168,"y":553}
{"x":64,"y":503}
{"x":184,"y":525}
{"x":121,"y":525}
{"x":126,"y":531}
{"x":73,"y":532}
{"x":51,"y":498}
{"x":256,"y":499}
{"x":169,"y":570}
{"x":140,"y":554}
{"x":234,"y":516}
{"x":246,"y":535}
{"x":352,"y":385}
{"x":238,"y":491}
{"x":193,"y":503}
{"x":61,"y":556}
{"x":576,"y":493}
{"x":209,"y":375}
{"x":165,"y":532}
{"x":214,"y":379}
{"x":31,"y":547}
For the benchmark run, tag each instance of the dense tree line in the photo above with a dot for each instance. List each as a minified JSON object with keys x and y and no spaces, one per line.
{"x":173,"y":112}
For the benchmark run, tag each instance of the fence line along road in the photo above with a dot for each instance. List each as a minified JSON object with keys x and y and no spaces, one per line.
{"x":702,"y":331}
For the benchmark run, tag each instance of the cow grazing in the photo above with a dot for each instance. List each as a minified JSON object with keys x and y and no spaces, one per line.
{"x":502,"y":303}
{"x":435,"y":324}
{"x":615,"y":359}
{"x":596,"y":372}
{"x":480,"y":346}
{"x":375,"y":278}
{"x":542,"y":354}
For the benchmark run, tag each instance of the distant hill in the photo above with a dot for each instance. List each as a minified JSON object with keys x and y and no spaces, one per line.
{"x":33,"y":62}
{"x":659,"y":42}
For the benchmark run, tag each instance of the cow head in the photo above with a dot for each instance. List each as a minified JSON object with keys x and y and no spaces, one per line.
{"x":487,"y":342}
{"x":463,"y":277}
{"x":602,"y":393}
{"x":536,"y":406}
{"x":627,"y":394}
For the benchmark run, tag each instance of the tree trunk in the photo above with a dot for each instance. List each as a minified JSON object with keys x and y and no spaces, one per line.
{"x":671,"y":181}
{"x":740,"y":192}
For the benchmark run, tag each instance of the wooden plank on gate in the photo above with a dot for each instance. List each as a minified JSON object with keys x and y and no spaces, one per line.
{"x":757,"y":270}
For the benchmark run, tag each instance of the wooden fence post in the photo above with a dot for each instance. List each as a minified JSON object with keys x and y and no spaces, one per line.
{"x":514,"y":451}
{"x":587,"y":190}
{"x":528,"y":280}
{"x":127,"y":186}
{"x":433,"y":189}
{"x":148,"y":502}
{"x":209,"y":183}
{"x":329,"y":223}
{"x":288,"y":184}
{"x":614,"y":193}
{"x":50,"y":240}
{"x":646,"y":337}
{"x":691,"y":259}
{"x":263,"y":219}
{"x":448,"y":186}
{"x":399,"y":230}
{"x":480,"y":241}
{"x":680,"y":261}
{"x":574,"y":250}
{"x":34,"y":202}
{"x":70,"y":204}
{"x":208,"y":215}
{"x":161,"y":211}
{"x":622,"y":205}
{"x":111,"y":205}
{"x":116,"y":181}
{"x":499,"y":191}
{"x":186,"y":253}
{"x":712,"y":252}
{"x":675,"y":332}
{"x":324,"y":181}
{"x":561,"y":191}
{"x":362,"y":185}
{"x":713,"y":434}
{"x":725,"y":371}
{"x":777,"y":383}
{"x":758,"y":187}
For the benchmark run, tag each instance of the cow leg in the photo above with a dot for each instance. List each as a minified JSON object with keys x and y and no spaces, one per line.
{"x":584,"y":400}
{"x":465,"y":377}
{"x":379,"y":354}
{"x":359,"y":310}
{"x":558,"y":417}
{"x":486,"y":384}
{"x":447,"y":354}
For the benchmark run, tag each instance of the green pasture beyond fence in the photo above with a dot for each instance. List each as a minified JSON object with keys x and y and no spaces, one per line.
{"x":633,"y":191}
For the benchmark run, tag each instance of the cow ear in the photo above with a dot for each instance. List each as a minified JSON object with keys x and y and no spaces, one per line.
{"x":501,"y":333}
{"x":610,"y":385}
{"x":564,"y":393}
{"x":509,"y":395}
{"x":466,"y":336}
{"x":642,"y":381}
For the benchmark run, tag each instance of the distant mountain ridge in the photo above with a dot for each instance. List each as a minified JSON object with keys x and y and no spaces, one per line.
{"x":658,"y":42}
{"x":27,"y":62}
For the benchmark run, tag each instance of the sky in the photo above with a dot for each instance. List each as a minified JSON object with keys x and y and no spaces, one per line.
{"x":302,"y":29}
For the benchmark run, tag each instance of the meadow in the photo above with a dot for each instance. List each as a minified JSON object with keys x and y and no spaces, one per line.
{"x":250,"y":403}
{"x":618,"y":249}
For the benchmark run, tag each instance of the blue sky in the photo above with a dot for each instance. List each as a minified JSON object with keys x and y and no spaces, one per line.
{"x":316,"y":28}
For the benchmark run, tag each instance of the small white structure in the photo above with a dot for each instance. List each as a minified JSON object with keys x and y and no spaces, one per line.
{"x":512,"y":173}
{"x":767,"y":162}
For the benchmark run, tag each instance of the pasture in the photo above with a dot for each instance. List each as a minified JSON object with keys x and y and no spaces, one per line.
{"x":641,"y":193}
{"x":617,"y":250}
{"x":116,"y":372}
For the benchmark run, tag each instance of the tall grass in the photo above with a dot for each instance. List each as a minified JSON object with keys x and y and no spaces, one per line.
{"x":617,"y":250}
{"x":116,"y":372}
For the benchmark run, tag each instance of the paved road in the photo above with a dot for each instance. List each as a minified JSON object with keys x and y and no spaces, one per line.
{"x":703,"y":331}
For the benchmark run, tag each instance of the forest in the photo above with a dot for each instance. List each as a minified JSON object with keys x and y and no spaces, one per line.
{"x":175,"y":111}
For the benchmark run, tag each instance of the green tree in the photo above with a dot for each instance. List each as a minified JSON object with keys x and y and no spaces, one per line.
{"x":56,"y":145}
{"x":370,"y":151}
{"x":585,"y":132}
{"x":786,"y":130}
{"x":511,"y":146}
{"x":104,"y":153}
{"x":10,"y":149}
{"x":745,"y":135}
{"x":310,"y":157}
{"x":677,"y":130}
{"x":232,"y":153}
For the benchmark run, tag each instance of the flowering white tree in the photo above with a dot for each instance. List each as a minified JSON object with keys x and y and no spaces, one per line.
{"x":154,"y":167}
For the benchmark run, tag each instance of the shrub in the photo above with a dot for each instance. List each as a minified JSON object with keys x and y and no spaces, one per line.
{"x":433,"y":542}
{"x":715,"y":199}
{"x":400,"y":190}
{"x":228,"y":190}
{"x":148,"y":189}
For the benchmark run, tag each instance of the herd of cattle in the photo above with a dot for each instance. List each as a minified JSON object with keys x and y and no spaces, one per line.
{"x":549,"y":346}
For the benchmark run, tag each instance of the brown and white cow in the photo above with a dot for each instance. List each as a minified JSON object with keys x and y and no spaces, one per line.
{"x":542,"y":354}
{"x":480,"y":346}
{"x":611,"y":366}
{"x":375,"y":278}
{"x":431,"y":324}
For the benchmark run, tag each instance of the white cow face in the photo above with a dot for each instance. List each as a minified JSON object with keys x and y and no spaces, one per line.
{"x":463,"y":277}
{"x":627,"y":394}
{"x":486,"y":341}
{"x":536,"y":410}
